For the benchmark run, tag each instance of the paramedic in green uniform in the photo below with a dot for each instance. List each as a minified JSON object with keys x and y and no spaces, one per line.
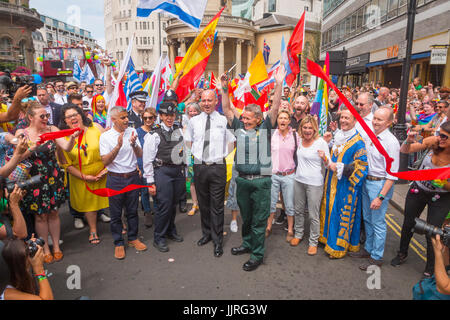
{"x":253,"y":163}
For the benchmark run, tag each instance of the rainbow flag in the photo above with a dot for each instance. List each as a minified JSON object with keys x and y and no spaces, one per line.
{"x":320,"y":104}
{"x":197,"y":57}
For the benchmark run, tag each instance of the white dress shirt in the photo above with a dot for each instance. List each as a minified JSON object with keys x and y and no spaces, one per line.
{"x":151,"y":144}
{"x":59,"y":99}
{"x":125,"y":161}
{"x":377,"y":163}
{"x":368,"y":120}
{"x":220,"y":137}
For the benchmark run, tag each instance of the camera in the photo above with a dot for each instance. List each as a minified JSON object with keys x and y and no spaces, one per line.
{"x":422,"y":227}
{"x":9,"y":185}
{"x":12,"y":84}
{"x":33,"y":246}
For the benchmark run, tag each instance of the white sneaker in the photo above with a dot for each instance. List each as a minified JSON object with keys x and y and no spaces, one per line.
{"x":233,"y":226}
{"x":105,"y":218}
{"x":78,"y":223}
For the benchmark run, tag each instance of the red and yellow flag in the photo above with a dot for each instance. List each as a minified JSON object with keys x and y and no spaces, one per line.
{"x":195,"y":61}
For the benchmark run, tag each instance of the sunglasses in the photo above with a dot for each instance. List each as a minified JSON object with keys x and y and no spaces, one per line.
{"x":443,"y":136}
{"x":89,"y":91}
{"x":148,"y":118}
{"x":45,"y":116}
{"x":360,"y":104}
{"x":99,"y":85}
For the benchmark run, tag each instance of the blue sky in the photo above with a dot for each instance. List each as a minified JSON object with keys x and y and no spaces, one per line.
{"x":91,"y":17}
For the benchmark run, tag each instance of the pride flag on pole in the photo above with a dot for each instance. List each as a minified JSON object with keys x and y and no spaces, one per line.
{"x":320,"y":104}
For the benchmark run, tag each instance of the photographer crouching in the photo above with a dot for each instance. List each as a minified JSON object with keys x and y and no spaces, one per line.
{"x":9,"y":205}
{"x":438,"y":286}
{"x":20,"y":258}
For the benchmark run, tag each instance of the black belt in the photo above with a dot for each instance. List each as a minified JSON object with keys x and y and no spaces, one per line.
{"x":372,"y":178}
{"x":252,"y":176}
{"x":166,"y":164}
{"x":196,"y":161}
{"x":123,"y":175}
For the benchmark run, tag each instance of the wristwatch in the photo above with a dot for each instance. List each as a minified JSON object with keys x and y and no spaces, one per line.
{"x":381,"y":197}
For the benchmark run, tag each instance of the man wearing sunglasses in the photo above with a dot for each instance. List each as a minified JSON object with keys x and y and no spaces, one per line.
{"x":60,"y":96}
{"x":52,"y":108}
{"x":364,"y":105}
{"x":89,"y":95}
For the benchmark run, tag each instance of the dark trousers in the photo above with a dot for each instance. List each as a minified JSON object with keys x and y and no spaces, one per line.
{"x":183,"y":197}
{"x":437,"y":211}
{"x":253,"y":198}
{"x":210,"y":183}
{"x":129,"y":201}
{"x":169,"y":182}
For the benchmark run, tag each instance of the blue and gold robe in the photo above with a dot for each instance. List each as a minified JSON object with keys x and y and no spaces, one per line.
{"x":340,"y":212}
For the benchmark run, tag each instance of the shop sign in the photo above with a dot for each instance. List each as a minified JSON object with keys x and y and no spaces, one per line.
{"x":438,"y":56}
{"x":392,"y":51}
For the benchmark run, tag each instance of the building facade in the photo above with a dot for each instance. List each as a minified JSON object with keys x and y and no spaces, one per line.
{"x":57,"y":33}
{"x":121,"y":23}
{"x":373,"y":33}
{"x":17,"y":22}
{"x":239,"y":39}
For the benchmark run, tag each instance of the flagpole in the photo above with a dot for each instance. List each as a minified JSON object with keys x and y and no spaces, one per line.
{"x":300,"y":68}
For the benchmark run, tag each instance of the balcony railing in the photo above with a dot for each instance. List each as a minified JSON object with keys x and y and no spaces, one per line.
{"x":224,"y":19}
{"x":19,"y":10}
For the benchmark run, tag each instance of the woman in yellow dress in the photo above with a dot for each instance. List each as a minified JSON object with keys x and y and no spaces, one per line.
{"x":94,"y":172}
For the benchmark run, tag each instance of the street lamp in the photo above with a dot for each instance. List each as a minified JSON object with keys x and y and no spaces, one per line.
{"x":400,"y":128}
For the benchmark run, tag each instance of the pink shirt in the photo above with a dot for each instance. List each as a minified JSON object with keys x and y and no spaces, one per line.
{"x":283,"y":149}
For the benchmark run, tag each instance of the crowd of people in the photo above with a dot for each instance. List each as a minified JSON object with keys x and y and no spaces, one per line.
{"x":339,"y":181}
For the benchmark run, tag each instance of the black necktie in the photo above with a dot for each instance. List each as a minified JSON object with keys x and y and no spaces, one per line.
{"x":207,"y":138}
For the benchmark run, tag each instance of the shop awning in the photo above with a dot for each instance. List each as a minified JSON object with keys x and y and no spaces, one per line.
{"x":415,"y":56}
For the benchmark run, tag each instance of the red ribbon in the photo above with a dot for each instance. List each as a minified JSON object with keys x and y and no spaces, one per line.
{"x":56,"y":135}
{"x":418,"y":175}
{"x":104,"y":192}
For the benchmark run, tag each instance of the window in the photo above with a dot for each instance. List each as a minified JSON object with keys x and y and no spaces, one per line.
{"x":121,"y":42}
{"x":5,"y":46}
{"x":136,"y":25}
{"x":126,"y":26}
{"x":153,"y":40}
{"x":383,"y":10}
{"x":145,"y":40}
{"x":145,"y":26}
{"x":306,"y":8}
{"x":129,"y":13}
{"x":402,"y":6}
{"x":127,"y":41}
{"x":120,"y":26}
{"x":137,"y":40}
{"x":153,"y":25}
{"x":272,"y":5}
{"x":164,"y":25}
{"x":392,"y":9}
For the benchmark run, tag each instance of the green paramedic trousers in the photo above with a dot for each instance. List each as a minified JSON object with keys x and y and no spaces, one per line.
{"x":253,"y":197}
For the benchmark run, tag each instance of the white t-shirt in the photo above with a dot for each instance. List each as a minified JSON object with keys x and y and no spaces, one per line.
{"x":62,"y":100}
{"x":311,"y":168}
{"x":125,"y":161}
{"x":86,"y":98}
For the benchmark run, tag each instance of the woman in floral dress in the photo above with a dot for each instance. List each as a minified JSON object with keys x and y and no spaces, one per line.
{"x":45,"y":199}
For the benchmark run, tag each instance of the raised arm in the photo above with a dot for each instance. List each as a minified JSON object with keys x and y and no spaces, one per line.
{"x":279,"y":77}
{"x":109,"y":86}
{"x":14,"y":110}
{"x":227,"y":107}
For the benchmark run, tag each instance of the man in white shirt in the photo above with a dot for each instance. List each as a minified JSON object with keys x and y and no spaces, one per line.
{"x":209,"y":137}
{"x":364,"y":105}
{"x":378,"y":188}
{"x":60,"y":96}
{"x":119,"y":150}
{"x":89,"y":95}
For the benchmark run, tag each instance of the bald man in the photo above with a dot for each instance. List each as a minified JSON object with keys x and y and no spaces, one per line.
{"x":208,"y":137}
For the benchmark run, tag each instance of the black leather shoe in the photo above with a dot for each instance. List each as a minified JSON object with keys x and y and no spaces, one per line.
{"x":218,"y":250}
{"x":239,"y":250}
{"x":161,"y":246}
{"x":183,"y":207}
{"x":251,"y":265}
{"x":203,"y":241}
{"x":175,"y":237}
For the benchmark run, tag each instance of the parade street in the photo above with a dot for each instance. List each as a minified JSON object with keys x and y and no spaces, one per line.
{"x":288,"y":273}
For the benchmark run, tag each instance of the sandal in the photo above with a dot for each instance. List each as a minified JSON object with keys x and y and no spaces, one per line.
{"x":48,"y":259}
{"x":95,"y":239}
{"x":193,"y":210}
{"x":57,"y":256}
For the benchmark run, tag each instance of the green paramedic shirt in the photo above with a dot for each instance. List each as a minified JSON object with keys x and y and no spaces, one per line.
{"x":253,"y":152}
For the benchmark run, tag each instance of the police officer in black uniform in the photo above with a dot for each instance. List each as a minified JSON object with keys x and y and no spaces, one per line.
{"x":171,"y":96}
{"x":138,"y":101}
{"x":164,"y":171}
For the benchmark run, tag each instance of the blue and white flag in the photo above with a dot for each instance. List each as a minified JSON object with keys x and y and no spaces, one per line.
{"x":87,"y":75}
{"x":188,"y":11}
{"x":271,"y":79}
{"x":133,"y":83}
{"x":77,"y":70}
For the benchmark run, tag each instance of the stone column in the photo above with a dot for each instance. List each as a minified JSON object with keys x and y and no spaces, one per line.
{"x":239,"y":56}
{"x":172,"y":53}
{"x":250,"y":45}
{"x":182,"y":46}
{"x":221,"y":55}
